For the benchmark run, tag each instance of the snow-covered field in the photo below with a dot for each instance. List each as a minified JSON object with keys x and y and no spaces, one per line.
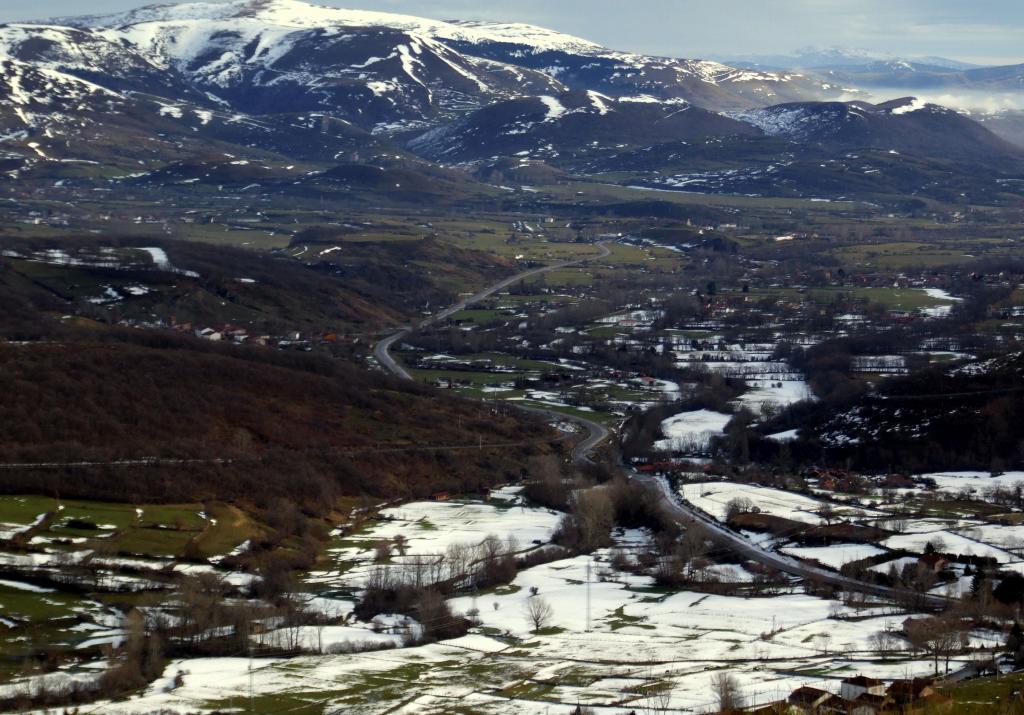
{"x":634,"y":637}
{"x":714,"y":497}
{"x":612,"y":634}
{"x":430,"y":528}
{"x":940,"y":311}
{"x":777,"y":393}
{"x":976,"y":481}
{"x":835,"y":556}
{"x":691,"y":431}
{"x":947,"y":542}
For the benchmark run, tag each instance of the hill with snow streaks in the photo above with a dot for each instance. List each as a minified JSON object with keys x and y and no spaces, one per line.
{"x":571,"y":127}
{"x":906,"y":125}
{"x":284,"y":81}
{"x":160,"y":83}
{"x":245,"y":34}
{"x":940,"y":415}
{"x":381,"y":72}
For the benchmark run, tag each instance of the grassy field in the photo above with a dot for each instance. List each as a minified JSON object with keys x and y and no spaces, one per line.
{"x":481,"y":316}
{"x":602,"y":193}
{"x":898,"y":255}
{"x":988,"y":696}
{"x":908,"y":299}
{"x":24,"y":510}
{"x":158,"y":530}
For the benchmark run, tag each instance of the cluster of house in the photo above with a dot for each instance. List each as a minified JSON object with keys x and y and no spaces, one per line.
{"x":225,"y":332}
{"x":862,"y":695}
{"x":846,"y":481}
{"x":238,"y":335}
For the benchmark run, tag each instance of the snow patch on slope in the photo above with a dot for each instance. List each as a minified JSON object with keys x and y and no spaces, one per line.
{"x":555,"y":108}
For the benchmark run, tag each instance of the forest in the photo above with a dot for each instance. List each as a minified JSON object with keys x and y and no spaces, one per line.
{"x":187,"y":419}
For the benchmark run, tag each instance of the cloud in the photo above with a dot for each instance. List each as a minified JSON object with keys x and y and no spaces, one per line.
{"x":965,"y":101}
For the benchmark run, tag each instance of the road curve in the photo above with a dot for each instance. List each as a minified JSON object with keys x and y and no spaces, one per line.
{"x":598,"y":433}
{"x":735,"y":542}
{"x":382,"y":350}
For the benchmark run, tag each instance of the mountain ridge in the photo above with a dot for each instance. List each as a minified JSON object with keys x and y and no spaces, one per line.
{"x":281,"y":81}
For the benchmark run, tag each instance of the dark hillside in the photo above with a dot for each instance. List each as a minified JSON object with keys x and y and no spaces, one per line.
{"x":251,"y":423}
{"x":360,"y":286}
{"x":962,"y":418}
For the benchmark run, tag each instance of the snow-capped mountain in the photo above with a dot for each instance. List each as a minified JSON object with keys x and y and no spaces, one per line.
{"x":283,"y":80}
{"x":878,"y":73}
{"x":244,"y":70}
{"x":295,"y":14}
{"x":267,"y":56}
{"x":285,"y":43}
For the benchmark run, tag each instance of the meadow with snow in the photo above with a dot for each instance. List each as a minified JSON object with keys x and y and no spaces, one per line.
{"x":612,"y":642}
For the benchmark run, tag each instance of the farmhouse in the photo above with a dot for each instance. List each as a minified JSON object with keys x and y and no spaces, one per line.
{"x":852,"y":688}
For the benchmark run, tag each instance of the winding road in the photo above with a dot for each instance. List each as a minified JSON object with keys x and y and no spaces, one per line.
{"x":597,"y":434}
{"x":725,"y":536}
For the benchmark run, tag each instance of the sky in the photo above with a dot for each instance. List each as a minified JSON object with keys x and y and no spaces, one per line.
{"x":980,"y":31}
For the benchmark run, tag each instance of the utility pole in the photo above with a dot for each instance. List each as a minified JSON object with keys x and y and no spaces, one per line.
{"x":252,"y":707}
{"x":588,"y":593}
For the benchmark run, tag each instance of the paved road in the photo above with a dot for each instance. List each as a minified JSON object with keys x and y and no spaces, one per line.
{"x":382,"y":350}
{"x":598,"y":433}
{"x":786,"y":564}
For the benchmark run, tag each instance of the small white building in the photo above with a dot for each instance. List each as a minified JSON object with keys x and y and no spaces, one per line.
{"x":852,"y":688}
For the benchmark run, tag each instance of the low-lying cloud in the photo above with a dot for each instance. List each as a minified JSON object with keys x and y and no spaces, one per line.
{"x":968,"y":101}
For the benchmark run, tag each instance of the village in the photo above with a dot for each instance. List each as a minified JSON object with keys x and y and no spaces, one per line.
{"x":699,"y":344}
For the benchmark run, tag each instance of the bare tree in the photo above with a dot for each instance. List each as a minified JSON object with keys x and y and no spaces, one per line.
{"x":595,"y":515}
{"x":727,"y":690}
{"x":827,"y":513}
{"x":382,"y":551}
{"x":883,"y":643}
{"x":823,"y":640}
{"x":939,"y":637}
{"x":538,"y":612}
{"x":737,"y":506}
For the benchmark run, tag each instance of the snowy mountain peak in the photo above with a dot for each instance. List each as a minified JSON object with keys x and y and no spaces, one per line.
{"x":302,"y":15}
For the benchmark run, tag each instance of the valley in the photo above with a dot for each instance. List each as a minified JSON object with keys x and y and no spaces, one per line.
{"x":361,"y":362}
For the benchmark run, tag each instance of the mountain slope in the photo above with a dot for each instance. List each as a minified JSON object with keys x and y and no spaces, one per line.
{"x":960,"y":418}
{"x":706,"y":83}
{"x":265,"y":27}
{"x":834,"y":149}
{"x":570,"y":126}
{"x":237,"y":424}
{"x":903,"y":125}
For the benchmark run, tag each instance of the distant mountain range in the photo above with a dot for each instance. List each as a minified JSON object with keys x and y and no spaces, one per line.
{"x":281,"y":80}
{"x":863,"y":69}
{"x":844,"y":58}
